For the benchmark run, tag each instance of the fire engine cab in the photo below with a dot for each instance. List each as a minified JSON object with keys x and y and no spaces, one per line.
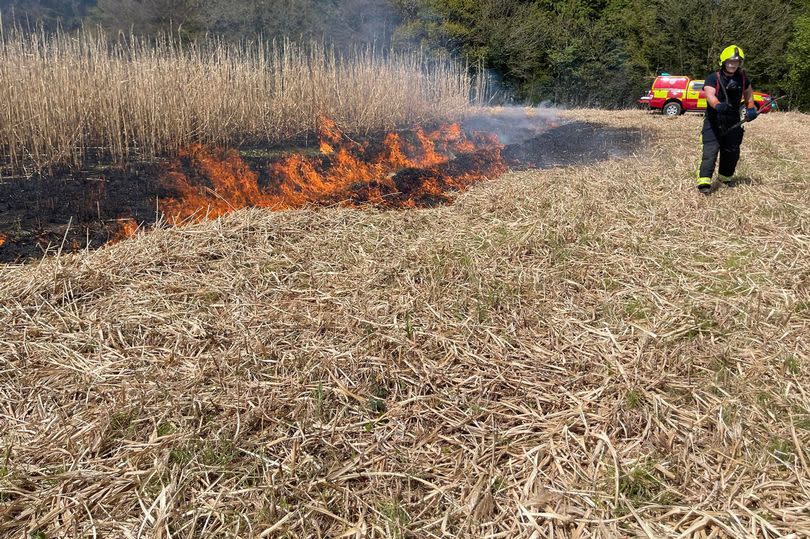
{"x":674,"y":94}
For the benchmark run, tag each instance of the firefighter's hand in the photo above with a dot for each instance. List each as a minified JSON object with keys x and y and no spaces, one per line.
{"x":722,"y":108}
{"x":751,"y":114}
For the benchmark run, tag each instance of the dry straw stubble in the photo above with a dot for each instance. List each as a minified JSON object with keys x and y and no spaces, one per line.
{"x":587,"y":351}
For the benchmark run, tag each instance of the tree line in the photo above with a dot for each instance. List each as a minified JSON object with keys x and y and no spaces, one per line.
{"x":601,"y":53}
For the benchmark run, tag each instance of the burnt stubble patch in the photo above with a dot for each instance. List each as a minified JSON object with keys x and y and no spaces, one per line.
{"x":72,"y":211}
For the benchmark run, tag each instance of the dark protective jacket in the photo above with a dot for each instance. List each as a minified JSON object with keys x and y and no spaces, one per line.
{"x":729,"y":90}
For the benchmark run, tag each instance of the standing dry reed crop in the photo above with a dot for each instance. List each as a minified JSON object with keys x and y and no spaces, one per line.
{"x":67,"y":98}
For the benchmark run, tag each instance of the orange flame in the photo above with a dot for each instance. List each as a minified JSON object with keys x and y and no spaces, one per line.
{"x":2,"y":239}
{"x":127,"y":228}
{"x":402,"y":170}
{"x":227,"y":184}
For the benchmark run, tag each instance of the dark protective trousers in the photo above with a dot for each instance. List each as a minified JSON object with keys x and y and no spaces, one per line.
{"x":727,"y":145}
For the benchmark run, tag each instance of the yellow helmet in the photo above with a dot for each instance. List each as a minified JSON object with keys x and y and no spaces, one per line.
{"x":732,"y":52}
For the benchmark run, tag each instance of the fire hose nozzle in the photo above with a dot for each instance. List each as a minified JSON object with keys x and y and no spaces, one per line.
{"x":767,"y":104}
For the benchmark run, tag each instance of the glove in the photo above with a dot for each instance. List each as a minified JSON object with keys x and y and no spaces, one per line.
{"x":751,"y":114}
{"x":722,"y":108}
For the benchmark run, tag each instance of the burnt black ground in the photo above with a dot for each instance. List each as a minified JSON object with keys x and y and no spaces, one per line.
{"x":72,"y":211}
{"x":574,"y":143}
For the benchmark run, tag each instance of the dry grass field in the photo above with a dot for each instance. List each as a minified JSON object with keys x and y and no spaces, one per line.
{"x":585,"y":351}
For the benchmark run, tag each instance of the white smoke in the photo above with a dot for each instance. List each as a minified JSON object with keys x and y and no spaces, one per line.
{"x":513,"y":124}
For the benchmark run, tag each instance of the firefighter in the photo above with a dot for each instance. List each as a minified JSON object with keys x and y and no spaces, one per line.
{"x":726,"y":90}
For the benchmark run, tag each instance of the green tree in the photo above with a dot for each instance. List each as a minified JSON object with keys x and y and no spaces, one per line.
{"x":798,"y":58}
{"x":604,"y":52}
{"x":148,"y":17}
{"x":49,"y":14}
{"x":343,"y":23}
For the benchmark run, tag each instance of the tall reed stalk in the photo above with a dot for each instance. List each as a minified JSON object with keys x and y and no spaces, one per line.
{"x":67,"y":98}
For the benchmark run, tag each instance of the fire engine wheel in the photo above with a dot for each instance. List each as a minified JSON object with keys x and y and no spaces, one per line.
{"x":673,"y":108}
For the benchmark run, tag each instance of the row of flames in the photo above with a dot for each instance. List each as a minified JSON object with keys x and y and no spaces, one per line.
{"x":404,"y":170}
